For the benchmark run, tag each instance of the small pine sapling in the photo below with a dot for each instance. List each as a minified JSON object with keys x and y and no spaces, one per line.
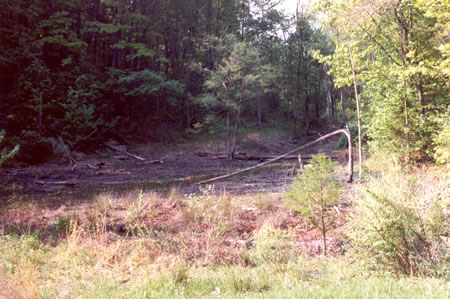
{"x":314,"y":191}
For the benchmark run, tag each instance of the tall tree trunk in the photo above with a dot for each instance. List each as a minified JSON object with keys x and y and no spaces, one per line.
{"x":294,"y":114}
{"x":307,"y":115}
{"x":344,"y":118}
{"x":41,"y":101}
{"x":258,"y":98}
{"x":329,"y":101}
{"x":324,"y":232}
{"x":406,"y":25}
{"x":218,"y":18}
{"x":236,"y":126}
{"x":420,"y":94}
{"x":319,"y":82}
{"x":115,"y":56}
{"x":406,"y":128}
{"x":359,"y":116}
{"x":230,"y":156}
{"x":188,"y":112}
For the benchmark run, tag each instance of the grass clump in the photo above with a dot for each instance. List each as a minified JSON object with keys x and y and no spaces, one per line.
{"x":272,"y":245}
{"x":209,"y":209}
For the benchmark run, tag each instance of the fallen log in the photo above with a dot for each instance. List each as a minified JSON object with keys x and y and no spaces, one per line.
{"x":92,"y":166}
{"x":345,"y":131}
{"x":124,"y":152}
{"x":213,"y":155}
{"x":154,"y":162}
{"x":97,"y":165}
{"x":219,"y":156}
{"x":63,"y":183}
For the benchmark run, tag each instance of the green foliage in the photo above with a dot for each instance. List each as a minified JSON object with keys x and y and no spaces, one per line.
{"x":233,"y":80}
{"x":147,"y":84}
{"x":399,"y":227}
{"x":82,"y":122}
{"x":442,"y":142}
{"x":6,"y":154}
{"x":235,"y":75}
{"x":387,"y":127}
{"x":314,"y":190}
{"x":353,"y":126}
{"x":62,"y":224}
{"x":403,"y":85}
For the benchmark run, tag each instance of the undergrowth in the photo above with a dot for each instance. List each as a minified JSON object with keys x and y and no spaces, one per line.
{"x":400,"y":221}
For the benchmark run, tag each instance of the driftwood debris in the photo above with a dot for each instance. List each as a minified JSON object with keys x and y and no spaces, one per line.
{"x":61,"y":183}
{"x":214,"y":155}
{"x":124,"y":152}
{"x":154,"y":162}
{"x":345,"y":131}
{"x":97,"y":165}
{"x":92,"y":166}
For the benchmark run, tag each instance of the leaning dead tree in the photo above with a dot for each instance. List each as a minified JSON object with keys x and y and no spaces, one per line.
{"x":345,"y":131}
{"x":358,"y":114}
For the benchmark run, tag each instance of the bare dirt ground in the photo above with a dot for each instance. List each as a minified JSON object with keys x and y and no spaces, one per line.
{"x":57,"y":190}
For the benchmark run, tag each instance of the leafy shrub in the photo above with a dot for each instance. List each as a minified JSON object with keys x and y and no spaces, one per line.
{"x":442,"y":142}
{"x":34,"y":149}
{"x":397,"y":227}
{"x":6,"y":154}
{"x":353,"y":127}
{"x":314,"y":191}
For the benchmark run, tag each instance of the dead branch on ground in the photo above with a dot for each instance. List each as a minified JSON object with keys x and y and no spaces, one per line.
{"x":245,"y":157}
{"x":67,"y":151}
{"x":124,"y":152}
{"x":345,"y":131}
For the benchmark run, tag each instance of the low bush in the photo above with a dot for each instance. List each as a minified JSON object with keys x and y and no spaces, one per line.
{"x":6,"y":154}
{"x":400,"y":225}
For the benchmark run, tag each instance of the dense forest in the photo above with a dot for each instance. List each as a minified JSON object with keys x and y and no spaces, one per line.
{"x":204,"y":148}
{"x":93,"y":70}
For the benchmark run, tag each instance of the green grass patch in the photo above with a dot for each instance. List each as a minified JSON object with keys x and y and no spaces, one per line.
{"x":82,"y":269}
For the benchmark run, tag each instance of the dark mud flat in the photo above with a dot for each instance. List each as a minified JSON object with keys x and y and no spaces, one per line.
{"x":180,"y":169}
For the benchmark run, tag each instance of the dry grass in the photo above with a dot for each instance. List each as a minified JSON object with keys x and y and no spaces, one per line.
{"x":138,"y":235}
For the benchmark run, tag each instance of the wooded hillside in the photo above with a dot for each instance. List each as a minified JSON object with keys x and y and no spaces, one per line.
{"x":91,"y":70}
